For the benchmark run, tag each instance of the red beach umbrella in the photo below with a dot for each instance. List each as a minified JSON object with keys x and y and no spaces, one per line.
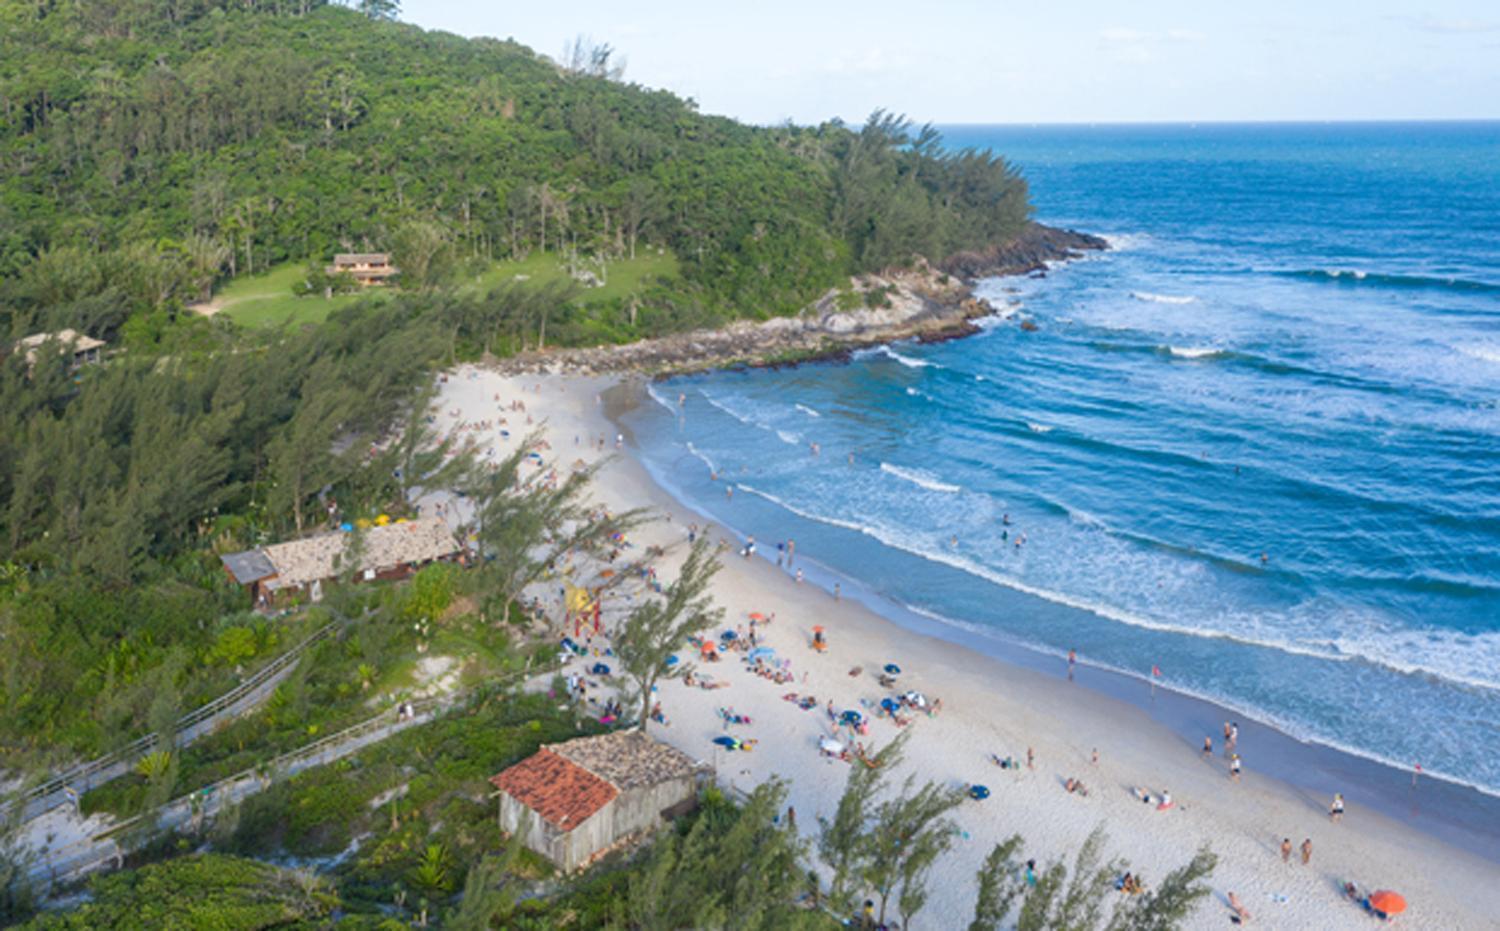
{"x":1387,"y":901}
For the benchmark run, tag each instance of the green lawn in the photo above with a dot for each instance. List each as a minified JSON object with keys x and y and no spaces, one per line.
{"x":266,"y":300}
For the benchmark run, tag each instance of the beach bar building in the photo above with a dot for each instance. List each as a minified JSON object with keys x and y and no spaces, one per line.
{"x":368,"y":269}
{"x":574,"y":802}
{"x":392,"y":551}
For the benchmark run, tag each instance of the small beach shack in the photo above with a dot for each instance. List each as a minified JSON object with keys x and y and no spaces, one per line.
{"x":81,"y":349}
{"x":368,"y":269}
{"x":574,"y":802}
{"x":392,"y":551}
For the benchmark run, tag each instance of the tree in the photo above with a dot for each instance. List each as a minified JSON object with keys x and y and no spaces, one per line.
{"x":1168,"y":905}
{"x":305,"y":456}
{"x":526,"y":524}
{"x":583,"y":57}
{"x":380,"y":9}
{"x":904,"y":838}
{"x":423,"y":250}
{"x":735,"y":867}
{"x":658,"y":627}
{"x":999,"y":885}
{"x":488,"y":896}
{"x":843,"y":841}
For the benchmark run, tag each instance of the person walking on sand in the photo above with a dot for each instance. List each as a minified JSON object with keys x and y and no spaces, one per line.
{"x":837,"y":593}
{"x":1030,"y":758}
{"x":1208,"y":746}
{"x":1307,"y":851}
{"x":1228,"y":747}
{"x":1234,"y":767}
{"x":1234,"y":735}
{"x":791,"y":550}
{"x":1286,"y":850}
{"x":1336,"y":810}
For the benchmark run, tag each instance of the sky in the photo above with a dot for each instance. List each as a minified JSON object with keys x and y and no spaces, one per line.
{"x":955,"y":61}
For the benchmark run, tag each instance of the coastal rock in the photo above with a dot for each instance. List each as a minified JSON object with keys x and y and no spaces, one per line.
{"x":1026,"y":254}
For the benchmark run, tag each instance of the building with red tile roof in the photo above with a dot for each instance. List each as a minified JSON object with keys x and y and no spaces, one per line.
{"x":572,"y":802}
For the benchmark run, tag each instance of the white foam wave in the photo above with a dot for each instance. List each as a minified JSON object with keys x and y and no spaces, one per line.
{"x":703,"y":458}
{"x":655,"y":395}
{"x":1484,"y":352}
{"x":907,"y":361}
{"x":788,"y":437}
{"x":728,"y":410}
{"x":1037,"y":427}
{"x":919,"y":477}
{"x":1465,"y":659}
{"x":1152,"y":298}
{"x":808,"y":411}
{"x":1122,"y":241}
{"x":1195,"y":352}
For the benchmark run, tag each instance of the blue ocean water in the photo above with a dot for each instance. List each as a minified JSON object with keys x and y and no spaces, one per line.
{"x":1257,"y":444}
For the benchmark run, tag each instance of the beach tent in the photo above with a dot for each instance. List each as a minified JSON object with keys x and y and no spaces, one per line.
{"x":599,"y":669}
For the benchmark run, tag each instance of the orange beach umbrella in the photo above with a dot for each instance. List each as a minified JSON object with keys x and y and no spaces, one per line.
{"x":1387,"y":901}
{"x":757,"y":616}
{"x":818,"y":629}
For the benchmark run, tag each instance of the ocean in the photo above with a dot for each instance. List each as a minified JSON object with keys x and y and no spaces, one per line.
{"x":1255,"y":445}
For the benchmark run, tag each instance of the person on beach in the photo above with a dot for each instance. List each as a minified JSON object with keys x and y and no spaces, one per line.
{"x":1030,"y":758}
{"x":791,"y":550}
{"x":837,"y":593}
{"x":1094,"y":757}
{"x":799,"y":575}
{"x":1286,"y":850}
{"x":1336,"y":810}
{"x":1307,"y":851}
{"x":749,"y":549}
{"x":1241,"y":914}
{"x":1234,"y":735}
{"x":1208,"y":746}
{"x":729,"y":492}
{"x":1228,"y":746}
{"x":1234,"y":768}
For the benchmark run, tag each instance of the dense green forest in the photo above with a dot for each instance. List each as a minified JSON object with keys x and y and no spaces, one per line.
{"x":150,"y":148}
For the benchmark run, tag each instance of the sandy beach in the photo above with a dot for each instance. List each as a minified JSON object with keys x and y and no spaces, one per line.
{"x":988,"y":707}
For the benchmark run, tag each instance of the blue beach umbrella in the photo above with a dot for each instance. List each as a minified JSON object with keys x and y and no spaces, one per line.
{"x":729,"y":742}
{"x":762,"y":653}
{"x":892,"y":669}
{"x":728,"y":635}
{"x":600,"y":669}
{"x":672,"y":660}
{"x":851,"y":717}
{"x":889,"y":704}
{"x":979,"y":793}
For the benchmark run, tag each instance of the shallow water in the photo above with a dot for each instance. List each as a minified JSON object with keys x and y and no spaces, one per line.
{"x":1257,"y":445}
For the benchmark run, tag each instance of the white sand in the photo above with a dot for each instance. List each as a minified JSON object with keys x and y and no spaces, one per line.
{"x":992,"y":707}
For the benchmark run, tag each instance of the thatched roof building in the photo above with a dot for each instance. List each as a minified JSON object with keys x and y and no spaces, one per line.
{"x":390,"y":551}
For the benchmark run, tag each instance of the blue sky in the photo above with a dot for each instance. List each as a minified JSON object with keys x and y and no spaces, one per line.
{"x":951,"y":61}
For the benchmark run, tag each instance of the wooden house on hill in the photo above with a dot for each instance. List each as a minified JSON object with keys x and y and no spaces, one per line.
{"x":389,"y":552}
{"x":574,"y":802}
{"x":368,"y":269}
{"x":82,"y":349}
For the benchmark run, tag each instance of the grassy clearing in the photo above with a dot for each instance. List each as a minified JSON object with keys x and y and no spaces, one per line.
{"x":266,"y":300}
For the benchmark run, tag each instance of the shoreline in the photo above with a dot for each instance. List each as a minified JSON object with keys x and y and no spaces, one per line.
{"x":1004,"y":705}
{"x":1441,"y":807}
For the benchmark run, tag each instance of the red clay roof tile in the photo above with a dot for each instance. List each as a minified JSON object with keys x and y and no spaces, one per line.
{"x":563,"y":793}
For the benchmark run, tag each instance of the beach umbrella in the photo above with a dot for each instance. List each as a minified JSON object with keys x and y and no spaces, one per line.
{"x":818,"y":629}
{"x":892,"y":669}
{"x":889,"y":704}
{"x":979,"y":793}
{"x":851,"y":717}
{"x":757,"y":616}
{"x":708,"y":647}
{"x":728,"y":635}
{"x":346,"y":527}
{"x":672,"y":660}
{"x":599,"y":669}
{"x":1388,"y":902}
{"x":729,"y":742}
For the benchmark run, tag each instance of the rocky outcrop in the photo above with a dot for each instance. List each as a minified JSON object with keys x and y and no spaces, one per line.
{"x":923,"y":303}
{"x":1029,"y":252}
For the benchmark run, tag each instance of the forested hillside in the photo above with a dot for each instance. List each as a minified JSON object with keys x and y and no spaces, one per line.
{"x":152,"y":147}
